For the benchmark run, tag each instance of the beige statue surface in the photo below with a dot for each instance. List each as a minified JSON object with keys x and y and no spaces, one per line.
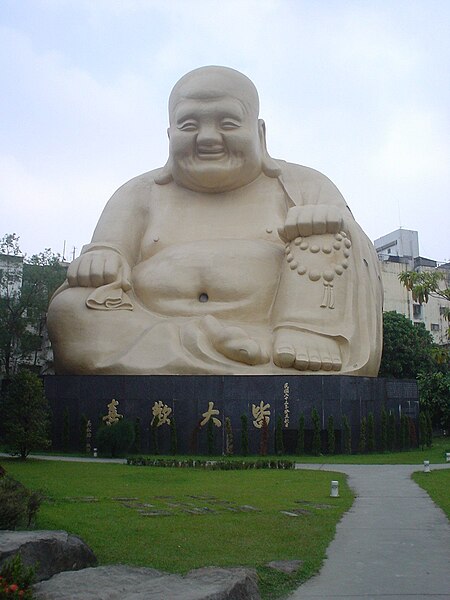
{"x":224,"y":261}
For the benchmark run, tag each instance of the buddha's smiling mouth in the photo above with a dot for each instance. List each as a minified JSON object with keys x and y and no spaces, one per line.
{"x":210,"y":153}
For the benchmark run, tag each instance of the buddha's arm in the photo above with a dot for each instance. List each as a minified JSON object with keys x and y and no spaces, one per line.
{"x":115,"y":245}
{"x":319,"y":207}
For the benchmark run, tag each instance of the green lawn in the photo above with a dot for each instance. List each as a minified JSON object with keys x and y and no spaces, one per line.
{"x":437,"y":485}
{"x":435,"y":454}
{"x":220,"y":518}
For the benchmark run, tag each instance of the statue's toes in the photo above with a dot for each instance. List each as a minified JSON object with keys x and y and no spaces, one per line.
{"x":327,"y":362}
{"x":315,"y":362}
{"x":284,"y":357}
{"x":301,"y":361}
{"x":251,"y":354}
{"x":337,"y":362}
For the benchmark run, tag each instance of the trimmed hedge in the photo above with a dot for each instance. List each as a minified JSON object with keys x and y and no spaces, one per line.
{"x":215,"y":465}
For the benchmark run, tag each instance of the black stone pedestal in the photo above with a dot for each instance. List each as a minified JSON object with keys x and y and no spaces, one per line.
{"x":193,"y":400}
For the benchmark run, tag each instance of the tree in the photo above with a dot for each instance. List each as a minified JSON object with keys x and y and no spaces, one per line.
{"x":434,"y":394}
{"x":316,"y":441}
{"x":331,"y":438}
{"x":370,"y":433}
{"x":26,"y":287}
{"x":347,"y":435}
{"x":279,"y":444}
{"x":407,"y":348}
{"x":423,"y":286}
{"x":363,"y":435}
{"x":24,"y":414}
{"x":301,"y":435}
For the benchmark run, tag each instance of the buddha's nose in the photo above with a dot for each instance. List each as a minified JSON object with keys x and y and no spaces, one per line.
{"x":208,"y":136}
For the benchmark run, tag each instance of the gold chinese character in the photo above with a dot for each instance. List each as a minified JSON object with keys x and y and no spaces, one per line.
{"x":161,"y":413}
{"x":112,"y":416}
{"x":210,"y":413}
{"x":261,"y":413}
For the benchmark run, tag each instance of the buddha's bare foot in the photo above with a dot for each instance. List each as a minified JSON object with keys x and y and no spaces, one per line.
{"x":306,"y":351}
{"x":234,"y":342}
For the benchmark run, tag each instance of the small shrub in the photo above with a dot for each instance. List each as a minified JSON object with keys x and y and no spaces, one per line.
{"x":116,"y":439}
{"x":412,"y":433}
{"x":404,"y":432}
{"x":173,"y":436}
{"x":347,"y":436}
{"x":65,"y":431}
{"x":137,"y":445}
{"x":331,"y":439}
{"x":391,"y":432}
{"x":16,"y":579}
{"x":279,"y":445}
{"x":370,"y":433}
{"x":384,"y":431}
{"x":154,"y":429}
{"x":316,"y":441}
{"x":301,"y":435}
{"x":18,"y":506}
{"x":211,"y":438}
{"x":83,"y":432}
{"x":429,"y":436}
{"x":422,"y":429}
{"x":362,"y":435}
{"x":264,"y":442}
{"x":229,"y":441}
{"x":244,"y":435}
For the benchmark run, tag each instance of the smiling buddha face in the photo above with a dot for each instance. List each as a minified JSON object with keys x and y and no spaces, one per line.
{"x":216,"y":139}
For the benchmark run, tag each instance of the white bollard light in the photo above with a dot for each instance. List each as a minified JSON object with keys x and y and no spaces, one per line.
{"x":95,"y":452}
{"x":447,"y":457}
{"x":334,"y":489}
{"x":426,"y":466}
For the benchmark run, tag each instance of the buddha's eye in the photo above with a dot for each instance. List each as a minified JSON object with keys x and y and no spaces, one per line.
{"x":188,"y":126}
{"x":229,"y":124}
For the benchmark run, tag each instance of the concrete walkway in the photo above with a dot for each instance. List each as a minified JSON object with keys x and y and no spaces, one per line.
{"x":120,"y":461}
{"x":393,"y":544}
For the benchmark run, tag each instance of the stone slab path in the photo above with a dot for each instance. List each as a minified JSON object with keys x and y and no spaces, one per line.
{"x":393,"y":544}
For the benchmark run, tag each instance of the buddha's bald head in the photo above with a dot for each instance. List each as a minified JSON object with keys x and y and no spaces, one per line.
{"x":215,"y":82}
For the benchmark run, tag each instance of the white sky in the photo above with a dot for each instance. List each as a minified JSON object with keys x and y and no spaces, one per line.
{"x":357,"y":89}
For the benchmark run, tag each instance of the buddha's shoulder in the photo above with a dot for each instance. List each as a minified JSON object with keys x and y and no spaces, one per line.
{"x":308,"y":186}
{"x":305,"y":175}
{"x":141,"y":182}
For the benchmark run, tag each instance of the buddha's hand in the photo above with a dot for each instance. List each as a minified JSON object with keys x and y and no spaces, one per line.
{"x":311,"y":219}
{"x":97,"y":268}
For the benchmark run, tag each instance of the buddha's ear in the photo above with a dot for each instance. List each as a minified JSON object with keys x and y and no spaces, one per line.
{"x":165,"y":175}
{"x":269,"y":166}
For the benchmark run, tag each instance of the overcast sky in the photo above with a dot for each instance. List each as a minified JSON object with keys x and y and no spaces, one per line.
{"x":357,"y":89}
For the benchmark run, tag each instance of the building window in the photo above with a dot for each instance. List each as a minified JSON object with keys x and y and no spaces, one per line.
{"x":417,"y":311}
{"x":434,"y":326}
{"x":443,"y":310}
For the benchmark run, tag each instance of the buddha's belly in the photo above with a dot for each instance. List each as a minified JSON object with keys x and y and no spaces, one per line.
{"x":234,"y":279}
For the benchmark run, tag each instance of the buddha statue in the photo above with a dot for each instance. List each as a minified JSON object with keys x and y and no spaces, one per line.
{"x":224,"y":261}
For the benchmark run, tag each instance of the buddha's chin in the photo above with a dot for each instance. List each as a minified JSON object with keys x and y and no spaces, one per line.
{"x":212,"y":175}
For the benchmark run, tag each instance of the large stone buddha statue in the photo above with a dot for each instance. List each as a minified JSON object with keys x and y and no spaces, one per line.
{"x":224,"y":261}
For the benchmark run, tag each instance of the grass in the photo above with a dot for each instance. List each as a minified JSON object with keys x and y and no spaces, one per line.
{"x":437,"y":485}
{"x":181,"y":541}
{"x":435,"y":454}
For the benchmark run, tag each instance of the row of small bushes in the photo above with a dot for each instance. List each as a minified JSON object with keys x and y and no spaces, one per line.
{"x":215,"y":465}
